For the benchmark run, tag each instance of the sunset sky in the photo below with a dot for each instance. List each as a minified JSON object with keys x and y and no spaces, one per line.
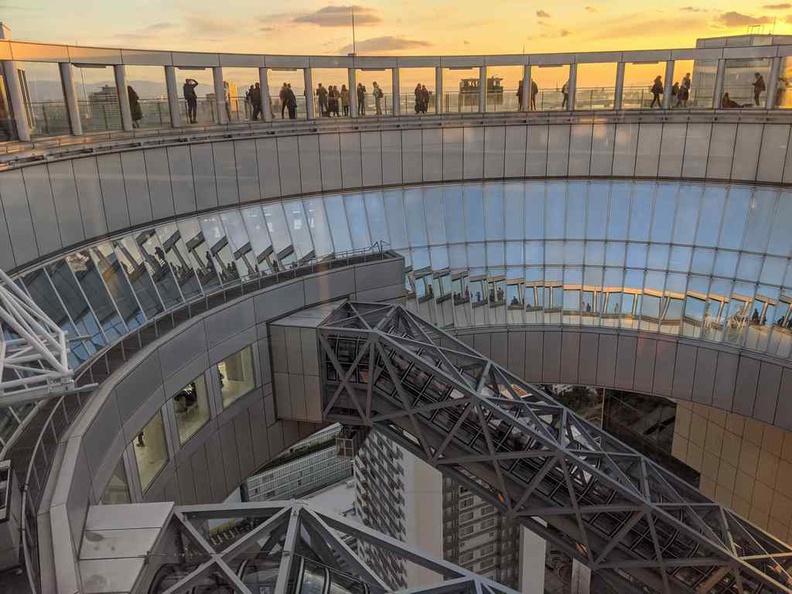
{"x":388,"y":26}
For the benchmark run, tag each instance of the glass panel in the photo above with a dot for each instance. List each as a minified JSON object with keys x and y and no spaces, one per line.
{"x":699,"y":80}
{"x":375,"y":210}
{"x":745,"y":82}
{"x":117,"y":284}
{"x":145,"y":249}
{"x":97,"y":98}
{"x":138,"y":277}
{"x":197,"y":95}
{"x":43,"y":94}
{"x":374,"y":92}
{"x":298,"y":226}
{"x":783,"y":98}
{"x":7,"y":125}
{"x":595,"y":86}
{"x":91,"y":283}
{"x":394,"y":214}
{"x":74,"y":301}
{"x":257,"y":232}
{"x":549,"y":87}
{"x":219,"y":255}
{"x":279,"y":233}
{"x":239,"y":243}
{"x":460,"y":89}
{"x":235,"y":375}
{"x":243,"y":94}
{"x":287,"y":92}
{"x":417,"y":86}
{"x":320,"y":229}
{"x":358,"y":225}
{"x":175,"y":253}
{"x":151,"y":450}
{"x":330,"y":92}
{"x":504,"y":88}
{"x":641,"y":90}
{"x":117,"y":490}
{"x":191,"y":408}
{"x":148,"y":96}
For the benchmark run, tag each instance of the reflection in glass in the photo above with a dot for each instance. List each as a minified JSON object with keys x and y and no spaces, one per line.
{"x":194,"y":241}
{"x":235,"y":375}
{"x":117,"y":490}
{"x":117,"y":284}
{"x":145,"y":273}
{"x":73,"y":299}
{"x":175,"y":254}
{"x":191,"y":408}
{"x":151,"y":450}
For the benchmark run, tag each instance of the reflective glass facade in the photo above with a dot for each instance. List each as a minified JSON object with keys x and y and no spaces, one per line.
{"x":708,"y":261}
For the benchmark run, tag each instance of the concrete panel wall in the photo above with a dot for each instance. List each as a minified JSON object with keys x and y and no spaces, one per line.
{"x":52,"y":207}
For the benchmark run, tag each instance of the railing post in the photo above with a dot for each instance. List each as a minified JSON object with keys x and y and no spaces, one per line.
{"x":618,"y":92}
{"x":438,"y":89}
{"x":526,"y":88}
{"x":352,"y":78}
{"x":173,"y":96}
{"x":572,"y":87}
{"x":482,"y":89}
{"x":772,"y":84}
{"x":717,"y":91}
{"x":17,"y":100}
{"x":70,"y":98}
{"x":395,"y":80}
{"x":310,"y":113}
{"x":123,"y":97}
{"x":668,"y":84}
{"x":266,"y":103}
{"x":220,"y":95}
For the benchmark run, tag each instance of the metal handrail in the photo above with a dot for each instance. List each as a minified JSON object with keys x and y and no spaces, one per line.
{"x":31,"y":494}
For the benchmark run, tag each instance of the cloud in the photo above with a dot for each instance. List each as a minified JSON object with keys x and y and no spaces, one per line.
{"x":736,"y":19}
{"x":644,"y":26}
{"x":556,"y":34}
{"x":147,"y":33}
{"x":386,"y":43}
{"x":693,"y":9}
{"x":782,"y":6}
{"x":542,"y":14}
{"x":339,"y":16}
{"x":591,"y":9}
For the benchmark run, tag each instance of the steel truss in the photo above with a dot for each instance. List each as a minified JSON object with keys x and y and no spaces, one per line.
{"x":285,"y":547}
{"x":33,"y":350}
{"x":600,"y":501}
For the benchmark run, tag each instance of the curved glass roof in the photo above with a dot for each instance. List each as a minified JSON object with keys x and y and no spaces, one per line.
{"x":709,"y":261}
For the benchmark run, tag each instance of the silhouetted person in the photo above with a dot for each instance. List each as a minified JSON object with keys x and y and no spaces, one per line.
{"x":134,"y":107}
{"x":520,"y":96}
{"x":684,"y":91}
{"x":255,"y":101}
{"x":657,"y":90}
{"x":675,"y":95}
{"x":345,"y":99}
{"x":565,"y":93}
{"x":282,"y":97}
{"x":321,"y":96}
{"x":759,"y":87}
{"x":191,"y":98}
{"x":728,"y":103}
{"x":361,"y":98}
{"x":291,"y":103}
{"x":418,"y":98}
{"x":755,"y":316}
{"x":378,"y":95}
{"x":783,"y":85}
{"x":425,"y":95}
{"x":534,"y":93}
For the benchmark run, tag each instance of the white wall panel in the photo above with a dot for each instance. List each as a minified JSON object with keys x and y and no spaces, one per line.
{"x":67,"y":205}
{"x":310,"y":169}
{"x":371,"y":152}
{"x":625,"y":148}
{"x":330,"y":157}
{"x":721,"y":151}
{"x":412,"y":156}
{"x":351,"y":172}
{"x":536,"y":155}
{"x":226,"y":173}
{"x":558,"y":150}
{"x":432,"y":154}
{"x":289,"y":165}
{"x":42,"y":208}
{"x":453,"y":153}
{"x":113,"y":192}
{"x":159,"y":183}
{"x":672,"y":148}
{"x":516,"y":142}
{"x":136,"y":184}
{"x":182,"y":185}
{"x":647,"y":159}
{"x":247,"y":170}
{"x":90,"y":195}
{"x":775,"y":142}
{"x":580,"y":150}
{"x":746,"y":151}
{"x":697,"y":140}
{"x":474,"y":153}
{"x":269,"y":172}
{"x":17,"y":213}
{"x":391,"y":157}
{"x":203,"y":172}
{"x":602,"y":146}
{"x":494,"y":149}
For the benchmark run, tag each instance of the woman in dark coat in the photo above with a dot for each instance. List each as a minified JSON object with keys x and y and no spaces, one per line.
{"x":134,"y":107}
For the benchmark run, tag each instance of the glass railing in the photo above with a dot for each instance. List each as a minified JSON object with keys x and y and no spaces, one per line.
{"x":48,"y":118}
{"x":34,"y":452}
{"x":100,"y":116}
{"x":589,"y":98}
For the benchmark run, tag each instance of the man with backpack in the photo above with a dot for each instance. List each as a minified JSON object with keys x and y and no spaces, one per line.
{"x":759,"y":87}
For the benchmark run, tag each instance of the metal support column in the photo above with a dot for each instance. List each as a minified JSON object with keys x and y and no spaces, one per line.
{"x":220,"y":95}
{"x":266,"y":102}
{"x":717,"y":92}
{"x":310,"y":112}
{"x":173,"y":96}
{"x":482,"y":89}
{"x":572,"y":87}
{"x":526,"y":88}
{"x":396,"y":98}
{"x":123,"y":97}
{"x":353,"y":107}
{"x":668,"y":84}
{"x":70,"y":98}
{"x":17,"y":100}
{"x":618,"y":93}
{"x":438,"y":89}
{"x":772,"y":84}
{"x":581,"y":578}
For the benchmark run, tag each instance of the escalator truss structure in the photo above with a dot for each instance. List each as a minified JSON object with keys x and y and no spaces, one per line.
{"x":645,"y":530}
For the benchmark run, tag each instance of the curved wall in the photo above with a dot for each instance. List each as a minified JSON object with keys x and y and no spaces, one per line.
{"x":50,"y":207}
{"x":228,"y":448}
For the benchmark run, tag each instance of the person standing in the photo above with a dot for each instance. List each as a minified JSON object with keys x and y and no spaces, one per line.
{"x":134,"y":107}
{"x":783,"y":85}
{"x":282,"y":96}
{"x":345,"y":99}
{"x":255,"y":101}
{"x":520,"y":96}
{"x":684,"y":90}
{"x":291,"y":102}
{"x":657,"y":90}
{"x":418,"y":98}
{"x":378,"y":95}
{"x":191,"y":98}
{"x":361,"y":97}
{"x":675,"y":95}
{"x":321,"y":95}
{"x":425,"y":96}
{"x":565,"y":93}
{"x":758,"y":87}
{"x":534,"y":93}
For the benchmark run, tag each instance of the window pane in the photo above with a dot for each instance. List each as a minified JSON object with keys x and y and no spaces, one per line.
{"x":236,"y":375}
{"x":191,"y":408}
{"x":151,"y":451}
{"x":117,"y":490}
